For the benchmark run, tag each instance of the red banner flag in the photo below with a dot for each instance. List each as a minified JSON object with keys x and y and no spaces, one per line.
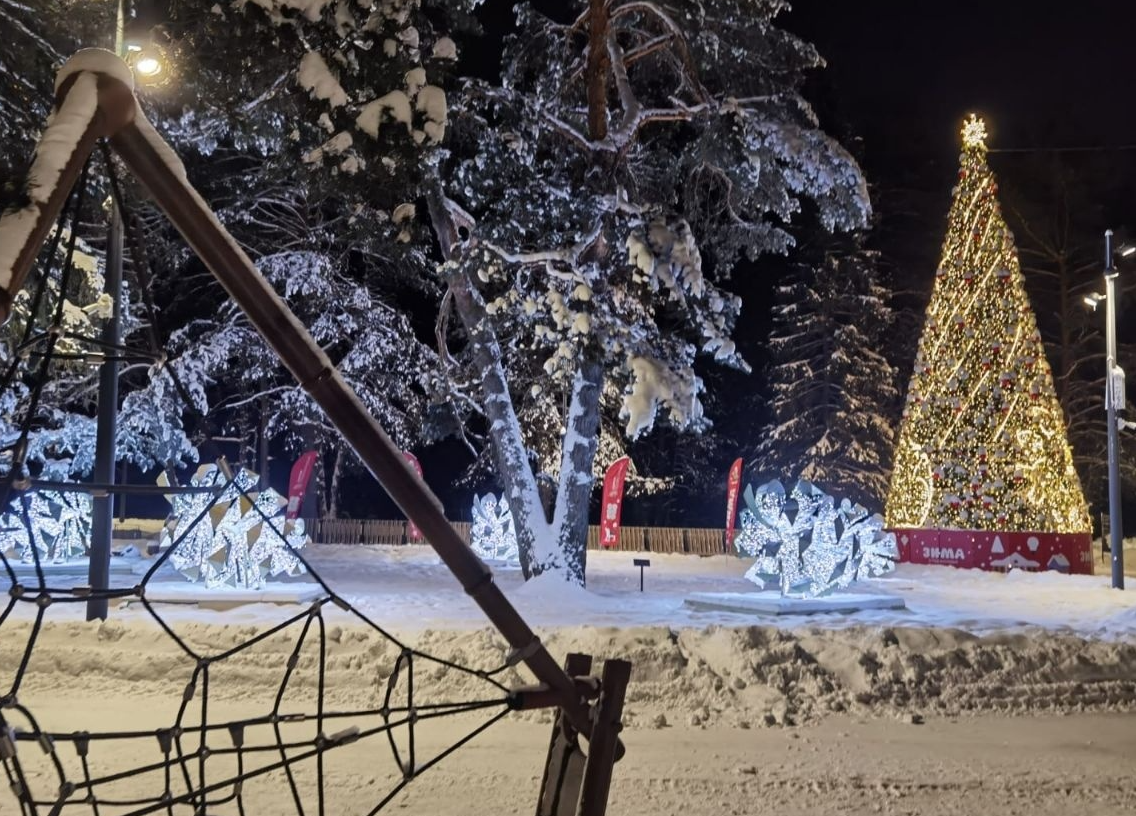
{"x":298,"y":483}
{"x":733,"y":485}
{"x":412,"y":531}
{"x":612,"y":507}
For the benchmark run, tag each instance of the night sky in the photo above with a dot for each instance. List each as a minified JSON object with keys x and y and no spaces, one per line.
{"x":1054,"y":80}
{"x":1045,"y":74}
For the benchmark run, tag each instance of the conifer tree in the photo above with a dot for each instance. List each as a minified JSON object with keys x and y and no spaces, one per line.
{"x":833,"y":392}
{"x":983,"y":440}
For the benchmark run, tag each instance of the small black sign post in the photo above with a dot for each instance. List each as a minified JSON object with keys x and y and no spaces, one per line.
{"x":640,"y":563}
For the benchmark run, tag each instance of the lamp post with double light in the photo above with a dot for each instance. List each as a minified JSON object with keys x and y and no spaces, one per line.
{"x":1114,"y":397}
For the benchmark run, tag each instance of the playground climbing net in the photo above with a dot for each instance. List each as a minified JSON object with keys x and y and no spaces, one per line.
{"x":196,"y":762}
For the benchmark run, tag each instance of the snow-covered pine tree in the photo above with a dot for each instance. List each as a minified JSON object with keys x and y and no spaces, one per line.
{"x":591,"y":201}
{"x":231,"y":373}
{"x":329,"y":229}
{"x":834,"y":397}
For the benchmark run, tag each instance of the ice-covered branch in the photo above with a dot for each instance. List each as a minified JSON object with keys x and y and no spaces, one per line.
{"x":570,"y":256}
{"x":565,"y":129}
{"x":40,"y":42}
{"x":654,"y":11}
{"x":627,"y":99}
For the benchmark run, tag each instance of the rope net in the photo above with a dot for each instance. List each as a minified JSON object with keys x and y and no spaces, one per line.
{"x":197,"y":752}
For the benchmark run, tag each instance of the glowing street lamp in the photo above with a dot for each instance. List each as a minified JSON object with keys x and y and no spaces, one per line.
{"x":135,"y":42}
{"x":1114,"y":399}
{"x":148,"y":67}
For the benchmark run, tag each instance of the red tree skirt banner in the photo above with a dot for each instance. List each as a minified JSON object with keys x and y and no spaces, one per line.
{"x":412,"y":531}
{"x":992,"y":550}
{"x":733,"y":485}
{"x":612,"y":507}
{"x":298,"y":483}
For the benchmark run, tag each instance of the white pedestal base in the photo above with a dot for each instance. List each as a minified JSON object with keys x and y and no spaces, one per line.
{"x":771,"y":603}
{"x":171,"y":592}
{"x":76,"y":568}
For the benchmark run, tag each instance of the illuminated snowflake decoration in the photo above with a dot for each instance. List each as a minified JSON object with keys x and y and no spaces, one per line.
{"x":823,"y":547}
{"x":60,"y":527}
{"x":492,"y":535}
{"x":974,"y":132}
{"x":223,"y":538}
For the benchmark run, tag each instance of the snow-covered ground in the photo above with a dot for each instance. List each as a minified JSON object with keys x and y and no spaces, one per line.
{"x":408,"y":589}
{"x":709,"y":697}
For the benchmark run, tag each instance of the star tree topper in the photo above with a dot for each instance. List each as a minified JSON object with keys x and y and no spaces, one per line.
{"x":974,"y":132}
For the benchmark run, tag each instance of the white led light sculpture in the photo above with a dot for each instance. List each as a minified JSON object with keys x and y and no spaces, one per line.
{"x":224,"y":539}
{"x":823,"y":547}
{"x":491,"y":534}
{"x":60,"y":526}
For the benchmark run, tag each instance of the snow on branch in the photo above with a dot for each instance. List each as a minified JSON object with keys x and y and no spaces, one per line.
{"x":653,"y":385}
{"x":570,"y":256}
{"x":627,"y":99}
{"x":317,"y":79}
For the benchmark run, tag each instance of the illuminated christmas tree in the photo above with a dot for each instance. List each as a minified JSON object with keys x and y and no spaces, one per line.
{"x":982,"y":445}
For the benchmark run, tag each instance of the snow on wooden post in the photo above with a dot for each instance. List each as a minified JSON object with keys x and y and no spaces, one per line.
{"x":88,"y":104}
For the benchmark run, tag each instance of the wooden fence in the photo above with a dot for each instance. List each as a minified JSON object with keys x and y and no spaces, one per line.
{"x":696,"y":541}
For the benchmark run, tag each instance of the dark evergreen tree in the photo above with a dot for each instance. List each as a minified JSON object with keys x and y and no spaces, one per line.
{"x":834,"y":397}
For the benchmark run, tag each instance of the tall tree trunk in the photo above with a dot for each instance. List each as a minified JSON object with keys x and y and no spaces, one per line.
{"x":262,"y":436}
{"x":543,"y":546}
{"x":333,"y":490}
{"x":537,"y":547}
{"x":578,"y":452}
{"x":598,"y":20}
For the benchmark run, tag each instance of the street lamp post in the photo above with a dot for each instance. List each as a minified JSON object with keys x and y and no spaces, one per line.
{"x":102,"y":515}
{"x":1114,"y":395}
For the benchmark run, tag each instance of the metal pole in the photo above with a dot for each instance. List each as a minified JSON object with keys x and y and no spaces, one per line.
{"x":1115,"y":521}
{"x":102,"y":518}
{"x":262,"y":436}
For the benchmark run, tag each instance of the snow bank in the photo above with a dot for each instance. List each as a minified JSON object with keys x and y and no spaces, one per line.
{"x":750,"y":676}
{"x":969,"y":641}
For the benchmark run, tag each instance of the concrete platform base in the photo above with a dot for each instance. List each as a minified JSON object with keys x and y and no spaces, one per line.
{"x":771,"y":603}
{"x":77,"y":568}
{"x":300,"y":593}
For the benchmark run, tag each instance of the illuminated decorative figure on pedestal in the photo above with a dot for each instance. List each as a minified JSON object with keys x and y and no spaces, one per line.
{"x":224,"y":539}
{"x":60,"y":525}
{"x":982,"y":444}
{"x":823,"y":547}
{"x":492,"y":535}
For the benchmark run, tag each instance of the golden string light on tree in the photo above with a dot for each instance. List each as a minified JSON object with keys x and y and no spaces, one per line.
{"x":982,"y":445}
